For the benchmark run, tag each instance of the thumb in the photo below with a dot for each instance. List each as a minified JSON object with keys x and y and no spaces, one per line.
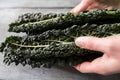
{"x":92,"y":43}
{"x":82,"y":6}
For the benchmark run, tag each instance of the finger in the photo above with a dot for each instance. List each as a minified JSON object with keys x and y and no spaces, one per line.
{"x":93,"y":43}
{"x":96,"y":66}
{"x":94,"y":6}
{"x":82,"y":6}
{"x":84,"y":68}
{"x":97,"y":6}
{"x":109,"y":8}
{"x":93,"y":9}
{"x":87,"y":67}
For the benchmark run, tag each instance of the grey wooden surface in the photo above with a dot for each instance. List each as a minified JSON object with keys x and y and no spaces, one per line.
{"x":8,"y":14}
{"x":38,"y":3}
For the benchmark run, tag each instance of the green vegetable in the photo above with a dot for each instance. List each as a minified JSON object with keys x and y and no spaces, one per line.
{"x":33,"y":17}
{"x":68,"y":19}
{"x":57,"y":52}
{"x":50,"y":38}
{"x":70,"y":33}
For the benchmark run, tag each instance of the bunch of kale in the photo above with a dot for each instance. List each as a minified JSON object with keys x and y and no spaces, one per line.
{"x":49,"y":38}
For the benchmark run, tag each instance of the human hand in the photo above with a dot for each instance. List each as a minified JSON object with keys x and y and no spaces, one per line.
{"x":95,"y":4}
{"x":109,"y":63}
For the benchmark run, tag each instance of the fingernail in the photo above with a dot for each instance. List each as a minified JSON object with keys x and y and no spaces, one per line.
{"x":80,"y":42}
{"x":72,"y":11}
{"x":75,"y":10}
{"x":76,"y":67}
